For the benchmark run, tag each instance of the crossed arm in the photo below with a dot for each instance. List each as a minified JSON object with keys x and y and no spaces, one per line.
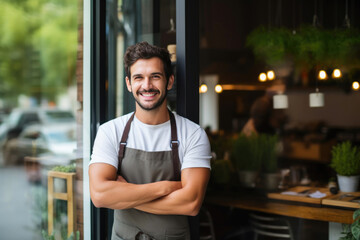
{"x":163,"y":197}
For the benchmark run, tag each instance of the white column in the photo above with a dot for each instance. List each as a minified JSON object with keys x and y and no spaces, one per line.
{"x":209,"y":103}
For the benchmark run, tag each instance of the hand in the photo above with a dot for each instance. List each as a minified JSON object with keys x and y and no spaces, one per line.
{"x":121,"y":179}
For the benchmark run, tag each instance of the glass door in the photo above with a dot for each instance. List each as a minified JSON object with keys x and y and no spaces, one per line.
{"x":41,"y":107}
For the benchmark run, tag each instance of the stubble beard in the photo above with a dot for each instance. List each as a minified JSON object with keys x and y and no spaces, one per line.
{"x":156,"y":105}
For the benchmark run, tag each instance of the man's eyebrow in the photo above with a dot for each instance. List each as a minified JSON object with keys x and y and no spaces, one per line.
{"x":137,"y":75}
{"x":157,"y":73}
{"x":154,"y":73}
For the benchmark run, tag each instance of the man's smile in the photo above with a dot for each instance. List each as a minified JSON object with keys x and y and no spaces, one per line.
{"x":149,"y":93}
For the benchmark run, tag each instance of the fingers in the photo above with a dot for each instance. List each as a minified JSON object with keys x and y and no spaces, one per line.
{"x":121,"y":179}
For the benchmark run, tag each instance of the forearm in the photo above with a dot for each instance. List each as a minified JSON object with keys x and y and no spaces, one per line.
{"x":119,"y":195}
{"x":108,"y":190}
{"x":177,"y":203}
{"x":184,"y":201}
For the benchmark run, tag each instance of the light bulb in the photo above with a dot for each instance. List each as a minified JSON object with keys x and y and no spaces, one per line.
{"x":203,"y":88}
{"x":336,"y":73}
{"x":262,"y":77}
{"x":355,"y":86}
{"x":270,"y":75}
{"x":322,"y":75}
{"x":218,"y":88}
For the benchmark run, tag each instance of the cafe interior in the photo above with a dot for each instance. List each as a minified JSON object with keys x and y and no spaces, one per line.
{"x":282,"y":77}
{"x":274,"y":83}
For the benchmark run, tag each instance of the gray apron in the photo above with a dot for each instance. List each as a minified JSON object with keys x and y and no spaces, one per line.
{"x":140,"y":167}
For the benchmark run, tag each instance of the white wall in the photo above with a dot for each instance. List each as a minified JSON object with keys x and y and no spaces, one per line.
{"x":340,"y":109}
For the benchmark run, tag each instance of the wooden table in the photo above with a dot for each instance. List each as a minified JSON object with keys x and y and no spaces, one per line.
{"x":256,"y":202}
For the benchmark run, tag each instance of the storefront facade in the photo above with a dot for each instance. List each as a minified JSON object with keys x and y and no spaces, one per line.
{"x":224,"y":44}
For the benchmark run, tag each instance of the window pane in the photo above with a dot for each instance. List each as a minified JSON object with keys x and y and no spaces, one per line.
{"x":40,"y":119}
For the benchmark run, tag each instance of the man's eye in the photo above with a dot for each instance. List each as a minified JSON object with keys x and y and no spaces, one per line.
{"x":156,"y":76}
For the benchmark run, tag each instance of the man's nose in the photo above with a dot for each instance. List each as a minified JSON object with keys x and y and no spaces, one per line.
{"x":147,"y":83}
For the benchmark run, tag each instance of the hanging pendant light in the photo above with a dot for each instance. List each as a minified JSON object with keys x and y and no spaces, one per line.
{"x":203,"y":88}
{"x":355,"y":86}
{"x":336,"y":73}
{"x":316,"y":99}
{"x":322,"y":75}
{"x":218,"y":88}
{"x":262,"y":77}
{"x":280,"y":101}
{"x":270,"y":75}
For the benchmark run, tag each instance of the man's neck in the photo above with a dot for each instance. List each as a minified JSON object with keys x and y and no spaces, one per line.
{"x":153,"y":117}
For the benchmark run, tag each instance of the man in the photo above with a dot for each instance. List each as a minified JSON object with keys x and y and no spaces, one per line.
{"x":151,"y":166}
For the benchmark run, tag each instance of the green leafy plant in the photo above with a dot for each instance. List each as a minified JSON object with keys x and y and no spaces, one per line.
{"x":245,"y":153}
{"x":346,"y":159}
{"x":255,"y":152}
{"x":46,"y":236}
{"x":269,"y":153}
{"x":67,"y":169}
{"x":269,"y":45}
{"x":352,"y":231}
{"x":307,"y":47}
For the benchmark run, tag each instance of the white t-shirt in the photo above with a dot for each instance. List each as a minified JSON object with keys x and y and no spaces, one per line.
{"x":194,"y":147}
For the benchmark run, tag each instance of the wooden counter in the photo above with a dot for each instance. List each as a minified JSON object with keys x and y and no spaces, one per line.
{"x":254,"y":202}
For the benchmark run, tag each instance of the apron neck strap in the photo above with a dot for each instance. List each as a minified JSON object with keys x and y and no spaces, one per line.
{"x":175,"y":147}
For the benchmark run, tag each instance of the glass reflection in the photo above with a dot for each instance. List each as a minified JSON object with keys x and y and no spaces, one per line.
{"x":38,"y":128}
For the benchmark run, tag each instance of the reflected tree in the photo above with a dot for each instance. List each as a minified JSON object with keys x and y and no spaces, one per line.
{"x":38,"y":46}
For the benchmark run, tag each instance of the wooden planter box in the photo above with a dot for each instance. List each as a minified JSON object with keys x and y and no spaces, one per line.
{"x":68,"y":196}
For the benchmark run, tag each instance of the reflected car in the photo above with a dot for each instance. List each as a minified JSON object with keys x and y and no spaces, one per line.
{"x":20,"y":118}
{"x":53,"y":144}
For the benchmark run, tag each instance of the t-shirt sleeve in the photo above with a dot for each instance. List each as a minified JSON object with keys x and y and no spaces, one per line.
{"x":105,"y":149}
{"x":197,"y":151}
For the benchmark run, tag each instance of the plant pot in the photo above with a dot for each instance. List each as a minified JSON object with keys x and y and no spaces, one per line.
{"x":271,"y":181}
{"x":60,"y":185}
{"x":248,"y":178}
{"x":348,"y":183}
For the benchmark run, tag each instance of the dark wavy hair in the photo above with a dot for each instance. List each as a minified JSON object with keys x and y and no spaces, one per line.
{"x":144,"y":50}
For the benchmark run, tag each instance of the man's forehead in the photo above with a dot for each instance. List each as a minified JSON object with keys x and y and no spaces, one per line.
{"x":152,"y":66}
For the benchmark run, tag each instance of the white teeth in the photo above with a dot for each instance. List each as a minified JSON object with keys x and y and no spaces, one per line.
{"x":148,"y":94}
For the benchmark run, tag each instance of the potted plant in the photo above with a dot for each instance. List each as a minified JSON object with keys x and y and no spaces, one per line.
{"x":352,"y":231}
{"x":220,"y":164}
{"x":60,"y":182}
{"x":346,"y":162}
{"x":270,"y":174}
{"x":246,"y":158}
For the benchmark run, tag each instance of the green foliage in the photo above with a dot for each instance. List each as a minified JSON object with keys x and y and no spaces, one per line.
{"x":269,"y":153}
{"x":219,"y":145}
{"x":269,"y":45}
{"x":352,"y":231}
{"x":46,"y":236}
{"x":39,"y":208}
{"x":221,"y":171}
{"x":67,"y":169}
{"x":38,"y":47}
{"x":244,"y":153}
{"x":255,"y":151}
{"x":307,"y":47}
{"x":346,"y":159}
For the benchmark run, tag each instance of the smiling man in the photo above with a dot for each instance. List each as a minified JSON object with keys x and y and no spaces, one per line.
{"x":152,"y":166}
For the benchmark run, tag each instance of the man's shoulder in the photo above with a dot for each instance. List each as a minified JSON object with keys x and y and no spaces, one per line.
{"x":186,"y":124}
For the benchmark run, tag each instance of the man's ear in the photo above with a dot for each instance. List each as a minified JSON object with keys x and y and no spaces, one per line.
{"x":128,"y":84}
{"x":170,"y":82}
